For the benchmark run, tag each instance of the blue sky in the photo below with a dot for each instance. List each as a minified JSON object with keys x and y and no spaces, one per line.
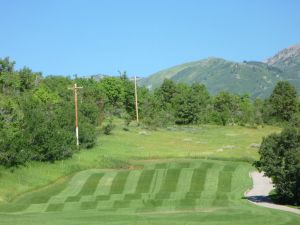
{"x":142,"y":37}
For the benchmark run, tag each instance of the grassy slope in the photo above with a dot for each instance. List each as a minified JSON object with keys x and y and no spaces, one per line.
{"x":203,"y":141}
{"x":167,"y":191}
{"x":177,"y":192}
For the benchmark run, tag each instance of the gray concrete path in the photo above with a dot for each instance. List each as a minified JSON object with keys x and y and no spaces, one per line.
{"x":259,"y":193}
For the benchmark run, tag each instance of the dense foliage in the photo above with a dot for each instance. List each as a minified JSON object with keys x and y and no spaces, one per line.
{"x":280,"y":160}
{"x":37,"y":113}
{"x":173,"y":103}
{"x":37,"y":116}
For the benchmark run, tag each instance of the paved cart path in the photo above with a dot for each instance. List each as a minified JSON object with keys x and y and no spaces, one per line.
{"x":260,"y":190}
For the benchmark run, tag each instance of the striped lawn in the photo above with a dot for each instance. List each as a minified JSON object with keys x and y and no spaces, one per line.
{"x":168,"y":186}
{"x":197,"y":186}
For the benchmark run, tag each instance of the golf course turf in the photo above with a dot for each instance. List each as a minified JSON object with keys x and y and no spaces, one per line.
{"x":182,"y":191}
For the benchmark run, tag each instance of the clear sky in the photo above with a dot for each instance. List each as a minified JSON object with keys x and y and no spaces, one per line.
{"x":142,"y":37}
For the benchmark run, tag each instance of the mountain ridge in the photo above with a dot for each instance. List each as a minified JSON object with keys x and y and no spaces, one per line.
{"x":252,"y":77}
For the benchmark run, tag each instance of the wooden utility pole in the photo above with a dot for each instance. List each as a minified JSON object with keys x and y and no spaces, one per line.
{"x":75,"y":88}
{"x":136,"y":100}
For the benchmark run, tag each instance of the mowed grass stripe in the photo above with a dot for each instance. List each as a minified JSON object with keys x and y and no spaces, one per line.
{"x":145,"y":181}
{"x":88,"y":205}
{"x":225,"y":178}
{"x":105,"y":183}
{"x":157,"y":180}
{"x":184,"y":181}
{"x":91,"y":184}
{"x":208,"y":194}
{"x":38,"y":197}
{"x":132,"y":181}
{"x":118,"y":183}
{"x":198,"y":178}
{"x":88,"y":188}
{"x":197,"y":183}
{"x":170,"y":181}
{"x":55,"y":207}
{"x":74,"y":186}
{"x":150,"y":205}
{"x":224,"y":185}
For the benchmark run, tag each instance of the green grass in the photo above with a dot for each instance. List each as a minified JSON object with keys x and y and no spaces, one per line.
{"x":183,"y":192}
{"x":116,"y":150}
{"x":157,"y":177}
{"x":144,"y":182}
{"x":119,"y":182}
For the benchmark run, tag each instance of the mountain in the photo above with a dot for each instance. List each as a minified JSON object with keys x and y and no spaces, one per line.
{"x":254,"y":78}
{"x":288,"y":61}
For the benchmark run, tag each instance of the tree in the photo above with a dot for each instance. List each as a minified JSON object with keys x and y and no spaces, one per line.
{"x":202,"y":100}
{"x":166,"y":92}
{"x":190,"y":103}
{"x":246,"y":112}
{"x":280,"y":160}
{"x":226,"y":106}
{"x":48,"y":129}
{"x":283,"y":101}
{"x":129,"y":99}
{"x":28,"y":79}
{"x":183,"y":104}
{"x":37,"y":115}
{"x":6,"y":65}
{"x":9,"y":80}
{"x":12,"y":143}
{"x":114,"y":91}
{"x":151,"y":112}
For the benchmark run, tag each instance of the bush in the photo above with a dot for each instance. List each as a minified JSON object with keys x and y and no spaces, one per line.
{"x":280,"y":160}
{"x":87,"y":135}
{"x":107,"y":128}
{"x":48,"y":129}
{"x":12,"y":142}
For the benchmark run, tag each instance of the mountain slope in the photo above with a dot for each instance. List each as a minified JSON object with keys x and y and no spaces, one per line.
{"x":288,"y":60}
{"x":254,"y":78}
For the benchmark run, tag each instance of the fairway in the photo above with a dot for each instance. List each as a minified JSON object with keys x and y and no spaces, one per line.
{"x":158,"y":192}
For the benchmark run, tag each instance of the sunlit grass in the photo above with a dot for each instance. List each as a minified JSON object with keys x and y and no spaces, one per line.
{"x":177,"y":191}
{"x":231,"y":142}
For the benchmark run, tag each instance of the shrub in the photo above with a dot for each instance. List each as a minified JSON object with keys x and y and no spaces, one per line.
{"x":12,"y":141}
{"x":280,"y":160}
{"x":87,"y":135}
{"x":107,"y":128}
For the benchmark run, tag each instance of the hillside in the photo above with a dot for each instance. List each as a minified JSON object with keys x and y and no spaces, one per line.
{"x":288,"y":60}
{"x":255,"y":78}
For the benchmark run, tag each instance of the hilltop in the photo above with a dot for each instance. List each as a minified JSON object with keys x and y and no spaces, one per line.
{"x":255,"y":78}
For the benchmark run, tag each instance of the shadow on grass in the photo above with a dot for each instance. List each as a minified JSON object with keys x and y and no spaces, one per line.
{"x":259,"y":199}
{"x":272,"y":198}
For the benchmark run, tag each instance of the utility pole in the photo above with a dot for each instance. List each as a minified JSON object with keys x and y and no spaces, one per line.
{"x":75,"y":88}
{"x":136,"y":101}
